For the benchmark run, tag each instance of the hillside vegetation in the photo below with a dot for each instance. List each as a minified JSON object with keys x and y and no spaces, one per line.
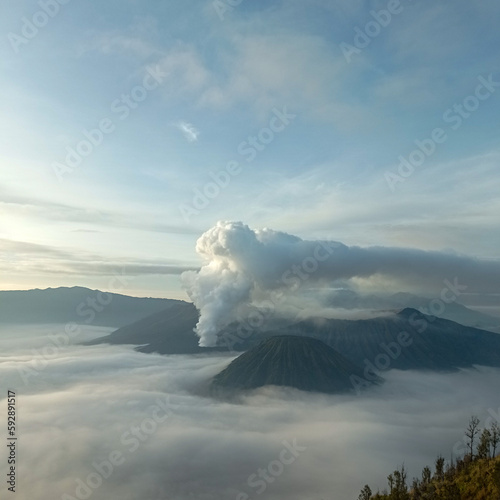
{"x":476,"y":476}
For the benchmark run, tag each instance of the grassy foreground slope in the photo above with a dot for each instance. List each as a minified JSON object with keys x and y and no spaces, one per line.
{"x":476,"y":476}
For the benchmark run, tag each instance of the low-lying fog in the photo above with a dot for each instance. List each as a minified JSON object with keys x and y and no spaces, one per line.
{"x":106,"y":422}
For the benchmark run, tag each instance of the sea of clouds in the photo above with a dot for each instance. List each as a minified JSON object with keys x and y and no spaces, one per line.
{"x":106,"y":422}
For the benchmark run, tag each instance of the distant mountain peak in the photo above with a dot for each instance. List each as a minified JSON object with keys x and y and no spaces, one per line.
{"x":409,"y":311}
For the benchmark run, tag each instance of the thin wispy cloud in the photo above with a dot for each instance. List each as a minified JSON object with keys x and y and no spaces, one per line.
{"x":188,"y":130}
{"x":37,"y":259}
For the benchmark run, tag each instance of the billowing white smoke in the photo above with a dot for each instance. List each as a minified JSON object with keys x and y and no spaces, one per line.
{"x":241,"y":263}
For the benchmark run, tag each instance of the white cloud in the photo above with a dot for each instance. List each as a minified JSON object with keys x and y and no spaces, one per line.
{"x":186,"y":72}
{"x":188,"y":130}
{"x":264,"y":70}
{"x":111,"y":44}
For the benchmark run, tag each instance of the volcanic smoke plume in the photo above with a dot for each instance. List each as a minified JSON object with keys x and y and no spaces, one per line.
{"x":242,"y":264}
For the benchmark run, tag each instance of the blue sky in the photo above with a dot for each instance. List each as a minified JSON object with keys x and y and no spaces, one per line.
{"x":179,"y":90}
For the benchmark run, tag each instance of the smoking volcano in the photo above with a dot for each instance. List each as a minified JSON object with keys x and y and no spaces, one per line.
{"x":243,"y":266}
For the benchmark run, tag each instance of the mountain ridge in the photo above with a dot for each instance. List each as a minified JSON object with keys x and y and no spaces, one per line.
{"x":76,"y":304}
{"x":432,"y":343}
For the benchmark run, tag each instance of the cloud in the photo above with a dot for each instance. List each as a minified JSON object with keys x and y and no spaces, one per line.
{"x":188,"y":130}
{"x":85,"y":402}
{"x":264,"y":70}
{"x":454,"y":212}
{"x":41,"y":208}
{"x":32,"y":258}
{"x":242,"y":265}
{"x":135,"y":40}
{"x":85,"y":231}
{"x":187,"y":72}
{"x":268,"y":64}
{"x":114,"y":43}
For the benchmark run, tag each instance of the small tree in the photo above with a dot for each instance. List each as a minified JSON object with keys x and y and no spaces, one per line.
{"x":450,"y":470}
{"x":366,"y":493}
{"x":495,"y":438}
{"x":390,"y":480}
{"x":471,"y":433}
{"x":400,"y":491}
{"x":439,"y":474}
{"x":426,"y":475}
{"x":483,"y":449}
{"x":415,"y":489}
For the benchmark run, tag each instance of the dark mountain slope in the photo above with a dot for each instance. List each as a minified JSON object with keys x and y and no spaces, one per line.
{"x":168,"y":332}
{"x":76,"y":304}
{"x":410,"y":339}
{"x":304,"y":363}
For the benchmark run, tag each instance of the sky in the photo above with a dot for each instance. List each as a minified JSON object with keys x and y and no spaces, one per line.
{"x":129,"y":128}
